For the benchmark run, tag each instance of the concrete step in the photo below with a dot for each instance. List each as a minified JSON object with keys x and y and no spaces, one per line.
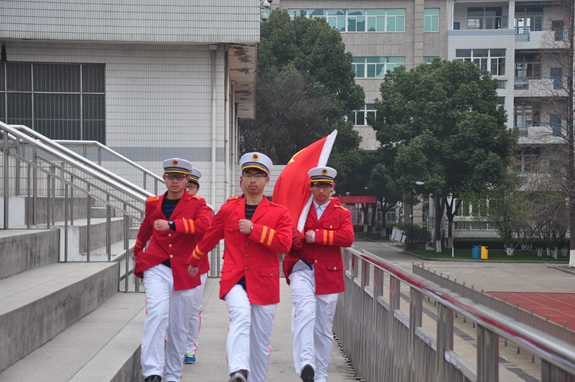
{"x":100,"y":254}
{"x":100,"y":212}
{"x":78,"y":237}
{"x":103,"y":346}
{"x":37,"y":305}
{"x":22,"y":250}
{"x":19,"y":212}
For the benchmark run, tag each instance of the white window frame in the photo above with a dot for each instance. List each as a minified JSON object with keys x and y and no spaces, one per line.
{"x":431,"y":15}
{"x":484,"y":62}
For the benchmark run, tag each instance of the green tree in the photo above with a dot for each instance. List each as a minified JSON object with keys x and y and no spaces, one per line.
{"x":316,"y":50}
{"x":439,"y":123}
{"x":305,"y":88}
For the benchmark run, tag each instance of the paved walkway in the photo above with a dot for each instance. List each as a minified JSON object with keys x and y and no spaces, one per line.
{"x":211,"y":363}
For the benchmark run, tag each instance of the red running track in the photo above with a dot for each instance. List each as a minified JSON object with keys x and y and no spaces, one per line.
{"x":559,"y":306}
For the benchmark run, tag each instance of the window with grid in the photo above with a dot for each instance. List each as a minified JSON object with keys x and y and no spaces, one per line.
{"x":375,"y":67}
{"x":556,"y":125}
{"x":359,"y":117}
{"x":358,"y":20}
{"x":61,"y":101}
{"x":492,"y":60}
{"x":486,"y":18}
{"x":431,"y":20}
{"x":528,"y":19}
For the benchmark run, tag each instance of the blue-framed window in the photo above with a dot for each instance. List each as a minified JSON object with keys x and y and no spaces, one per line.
{"x":556,"y":126}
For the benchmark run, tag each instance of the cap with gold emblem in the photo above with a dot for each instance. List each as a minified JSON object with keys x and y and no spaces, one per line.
{"x":322,"y":174}
{"x":177,"y":166}
{"x":195,"y":176}
{"x":256,"y":161}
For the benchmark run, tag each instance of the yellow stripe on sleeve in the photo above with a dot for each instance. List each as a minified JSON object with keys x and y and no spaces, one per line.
{"x":198,"y":251}
{"x":272,"y":232}
{"x":330,"y":237}
{"x":196,"y":256}
{"x":192,"y":227}
{"x":185,"y":225}
{"x":264,"y":232}
{"x":324,"y":237}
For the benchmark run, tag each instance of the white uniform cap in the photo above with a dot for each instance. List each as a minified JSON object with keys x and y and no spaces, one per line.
{"x":257,"y":161}
{"x":195,"y":176}
{"x":322,"y":174}
{"x":177,"y":165}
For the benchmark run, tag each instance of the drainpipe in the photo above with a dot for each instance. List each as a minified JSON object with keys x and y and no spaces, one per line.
{"x":226,"y":127}
{"x":213,"y":49}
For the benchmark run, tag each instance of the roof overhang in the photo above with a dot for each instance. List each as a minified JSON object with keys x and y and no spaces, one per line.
{"x":242,"y":69}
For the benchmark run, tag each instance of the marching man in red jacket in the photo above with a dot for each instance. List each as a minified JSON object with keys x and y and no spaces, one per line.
{"x":171,"y":224}
{"x":255,"y":231}
{"x":314,"y":271}
{"x":193,"y":187}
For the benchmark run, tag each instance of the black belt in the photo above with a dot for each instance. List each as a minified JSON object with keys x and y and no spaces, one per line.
{"x":167,"y":263}
{"x":310,"y":265}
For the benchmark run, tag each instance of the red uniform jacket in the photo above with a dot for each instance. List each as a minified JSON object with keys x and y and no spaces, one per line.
{"x":190,"y":219}
{"x":333,"y":231}
{"x":254,"y":256}
{"x":204,"y":266}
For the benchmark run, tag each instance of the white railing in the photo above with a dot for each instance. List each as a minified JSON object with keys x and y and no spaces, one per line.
{"x":387,"y":343}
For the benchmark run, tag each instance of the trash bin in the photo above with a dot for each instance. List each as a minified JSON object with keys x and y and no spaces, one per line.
{"x":475,"y":252}
{"x":483,"y":252}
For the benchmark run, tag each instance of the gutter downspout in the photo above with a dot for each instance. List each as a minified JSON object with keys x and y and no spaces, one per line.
{"x":213,"y":49}
{"x":226,"y":127}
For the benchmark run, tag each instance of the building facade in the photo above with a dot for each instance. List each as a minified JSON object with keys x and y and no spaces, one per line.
{"x":151,"y":80}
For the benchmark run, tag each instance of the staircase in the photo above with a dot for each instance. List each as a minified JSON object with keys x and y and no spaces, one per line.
{"x":69,"y":227}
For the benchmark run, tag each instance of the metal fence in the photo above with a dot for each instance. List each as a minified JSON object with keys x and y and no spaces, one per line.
{"x":386,"y":344}
{"x":561,"y":332}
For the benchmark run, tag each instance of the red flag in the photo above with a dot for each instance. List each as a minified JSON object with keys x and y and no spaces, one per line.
{"x":292,"y":187}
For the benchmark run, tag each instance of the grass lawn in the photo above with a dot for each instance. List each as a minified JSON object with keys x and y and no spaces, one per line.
{"x":372,"y":236}
{"x":492,"y":255}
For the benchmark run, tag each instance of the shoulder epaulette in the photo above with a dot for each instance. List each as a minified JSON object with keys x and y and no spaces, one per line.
{"x":342,"y":207}
{"x":152,"y":199}
{"x":232,"y":198}
{"x":195,"y":197}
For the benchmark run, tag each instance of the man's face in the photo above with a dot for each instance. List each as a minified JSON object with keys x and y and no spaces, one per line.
{"x":192,"y":188}
{"x":321,"y":192}
{"x":253,"y":181}
{"x":175,"y":183}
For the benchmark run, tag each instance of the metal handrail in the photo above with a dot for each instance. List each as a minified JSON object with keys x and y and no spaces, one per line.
{"x":11,"y":145}
{"x":367,"y":324}
{"x":103,"y":175}
{"x":100,"y":147}
{"x":56,"y":147}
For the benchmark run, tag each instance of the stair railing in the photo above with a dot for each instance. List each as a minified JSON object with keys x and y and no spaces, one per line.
{"x":72,"y":177}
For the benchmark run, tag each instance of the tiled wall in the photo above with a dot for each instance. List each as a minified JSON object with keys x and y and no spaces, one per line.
{"x":173,"y":21}
{"x":157,"y":102}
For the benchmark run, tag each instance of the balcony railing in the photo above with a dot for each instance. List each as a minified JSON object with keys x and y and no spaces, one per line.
{"x":541,"y":83}
{"x":524,"y":129}
{"x":522,"y":34}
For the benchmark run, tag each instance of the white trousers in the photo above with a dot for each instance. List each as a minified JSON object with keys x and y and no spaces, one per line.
{"x":166,"y":324}
{"x":196,"y":317}
{"x":312,"y":320}
{"x":248,"y":344}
